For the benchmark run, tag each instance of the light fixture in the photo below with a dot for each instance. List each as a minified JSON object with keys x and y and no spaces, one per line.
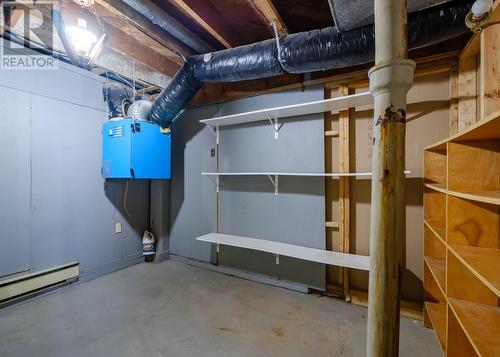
{"x":478,"y":15}
{"x":81,"y":38}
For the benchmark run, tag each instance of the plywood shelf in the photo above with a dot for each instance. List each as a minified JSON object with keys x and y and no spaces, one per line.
{"x":491,"y":197}
{"x":438,"y":227}
{"x":488,"y":128}
{"x":462,"y":205}
{"x":438,"y":270}
{"x":484,"y":263}
{"x":481,"y":324}
{"x":440,"y":187}
{"x":437,"y":315}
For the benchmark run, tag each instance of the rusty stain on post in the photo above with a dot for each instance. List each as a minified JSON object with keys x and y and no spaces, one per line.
{"x":390,"y":80}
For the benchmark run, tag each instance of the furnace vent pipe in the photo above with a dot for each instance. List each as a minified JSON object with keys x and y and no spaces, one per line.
{"x":299,"y":53}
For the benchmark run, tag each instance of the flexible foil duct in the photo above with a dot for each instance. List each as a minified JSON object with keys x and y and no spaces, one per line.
{"x":254,"y":61}
{"x":174,"y":98}
{"x":114,"y":95}
{"x":300,"y":53}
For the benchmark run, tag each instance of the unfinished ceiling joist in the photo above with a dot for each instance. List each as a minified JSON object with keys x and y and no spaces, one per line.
{"x":191,"y":13}
{"x":269,"y":11}
{"x":121,"y":10}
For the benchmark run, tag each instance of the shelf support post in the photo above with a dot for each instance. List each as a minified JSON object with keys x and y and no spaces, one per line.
{"x":390,"y":80}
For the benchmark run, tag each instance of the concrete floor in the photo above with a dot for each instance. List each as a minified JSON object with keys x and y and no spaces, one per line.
{"x":172,"y":309}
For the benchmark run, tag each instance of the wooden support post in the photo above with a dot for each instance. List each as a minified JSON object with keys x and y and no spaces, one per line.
{"x":390,"y":80}
{"x":454,"y":95}
{"x":490,"y":71}
{"x":344,"y":202}
{"x":467,"y":88}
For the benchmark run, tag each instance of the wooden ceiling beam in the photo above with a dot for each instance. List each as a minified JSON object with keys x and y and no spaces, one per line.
{"x":118,"y":8}
{"x":137,"y":51}
{"x":191,"y":13}
{"x":271,"y":14}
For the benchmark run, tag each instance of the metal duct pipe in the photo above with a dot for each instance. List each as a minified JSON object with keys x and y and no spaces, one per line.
{"x":61,"y":30}
{"x":159,"y":17}
{"x":299,"y":53}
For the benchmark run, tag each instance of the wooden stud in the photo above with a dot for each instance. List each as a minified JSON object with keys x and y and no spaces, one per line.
{"x":467,"y":87}
{"x":490,"y":70}
{"x":454,"y":96}
{"x":191,"y":13}
{"x":344,"y":202}
{"x":268,"y":10}
{"x":118,"y":9}
{"x":331,"y":196}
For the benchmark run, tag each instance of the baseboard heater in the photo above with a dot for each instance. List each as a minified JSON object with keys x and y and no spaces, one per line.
{"x":24,"y":285}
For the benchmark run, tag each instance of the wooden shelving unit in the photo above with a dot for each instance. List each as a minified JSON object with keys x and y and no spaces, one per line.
{"x":462,"y":240}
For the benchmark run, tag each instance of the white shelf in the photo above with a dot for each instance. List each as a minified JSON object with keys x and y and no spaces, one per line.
{"x":307,"y":174}
{"x":320,"y":106}
{"x":295,"y":251}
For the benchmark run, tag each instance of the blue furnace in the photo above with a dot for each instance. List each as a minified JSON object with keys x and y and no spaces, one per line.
{"x":135,"y":149}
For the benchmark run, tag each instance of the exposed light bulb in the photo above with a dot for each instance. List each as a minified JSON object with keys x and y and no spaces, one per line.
{"x":481,"y":7}
{"x":81,"y":38}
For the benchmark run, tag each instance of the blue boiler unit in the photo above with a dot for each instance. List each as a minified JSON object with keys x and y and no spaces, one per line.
{"x":135,"y":149}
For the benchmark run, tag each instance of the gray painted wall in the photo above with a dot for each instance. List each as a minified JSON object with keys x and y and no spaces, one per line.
{"x":248,"y":206}
{"x":54,"y":205}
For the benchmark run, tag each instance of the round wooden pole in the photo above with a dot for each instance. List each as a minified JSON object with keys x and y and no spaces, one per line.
{"x":390,"y":80}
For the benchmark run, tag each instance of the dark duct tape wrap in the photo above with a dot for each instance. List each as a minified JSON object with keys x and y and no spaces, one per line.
{"x":437,"y":24}
{"x":300,"y":53}
{"x":254,"y":61}
{"x":114,"y":94}
{"x":174,"y":98}
{"x":326,"y":49}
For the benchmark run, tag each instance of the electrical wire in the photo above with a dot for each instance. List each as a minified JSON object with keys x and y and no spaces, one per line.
{"x":125,"y":196}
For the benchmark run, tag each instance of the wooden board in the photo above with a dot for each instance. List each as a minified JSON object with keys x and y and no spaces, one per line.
{"x":468,"y":92}
{"x":490,"y":70}
{"x":437,"y":315}
{"x":433,"y":245}
{"x":454,"y":100}
{"x":438,"y":228}
{"x":474,"y":165}
{"x":344,"y":192}
{"x":487,"y":128}
{"x":438,"y":270}
{"x":457,"y":342}
{"x":481,"y":324}
{"x":492,"y":197}
{"x":290,"y":250}
{"x":463,"y":284}
{"x":435,"y":166}
{"x":484,"y":263}
{"x":473,"y":223}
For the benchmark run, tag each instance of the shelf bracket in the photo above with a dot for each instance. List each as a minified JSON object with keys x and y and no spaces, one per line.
{"x":217,"y":184}
{"x":274,"y":181}
{"x":215,"y":133}
{"x":275,"y":125}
